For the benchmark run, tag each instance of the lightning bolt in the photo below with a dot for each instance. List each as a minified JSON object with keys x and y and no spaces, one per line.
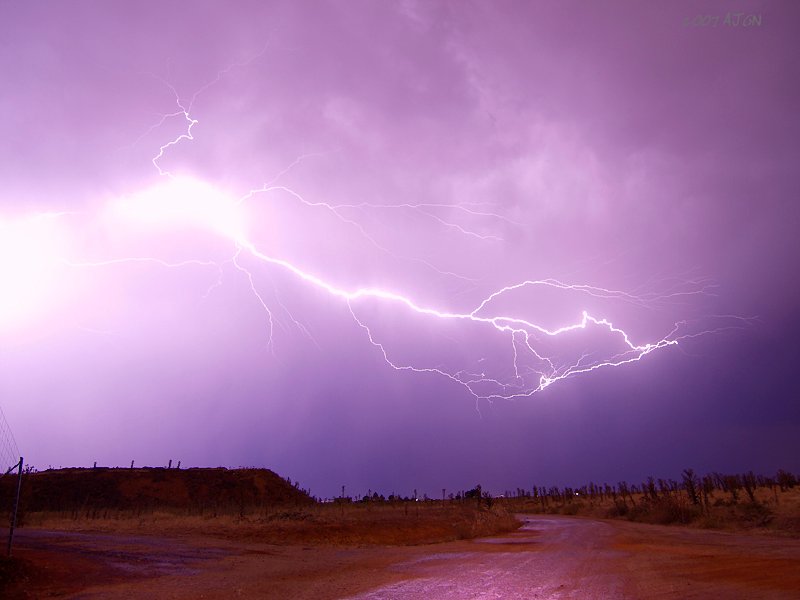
{"x":335,"y":209}
{"x":533,"y":367}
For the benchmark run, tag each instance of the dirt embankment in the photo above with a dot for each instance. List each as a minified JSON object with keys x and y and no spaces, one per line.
{"x":89,"y":493}
{"x":241,"y":504}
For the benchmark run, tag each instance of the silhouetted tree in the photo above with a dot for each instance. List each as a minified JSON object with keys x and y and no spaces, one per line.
{"x":708,"y":489}
{"x":649,"y":488}
{"x":786,"y":480}
{"x":624,"y":491}
{"x":474,"y":492}
{"x":690,"y":484}
{"x":732,"y":485}
{"x":749,"y":484}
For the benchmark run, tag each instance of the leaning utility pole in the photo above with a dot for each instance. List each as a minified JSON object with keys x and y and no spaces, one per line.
{"x":16,"y":504}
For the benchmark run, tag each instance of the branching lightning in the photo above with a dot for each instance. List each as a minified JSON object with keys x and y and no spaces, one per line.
{"x":532,"y":364}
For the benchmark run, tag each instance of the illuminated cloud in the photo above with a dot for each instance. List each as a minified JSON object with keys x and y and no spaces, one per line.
{"x":31,"y":248}
{"x":317,"y":236}
{"x":179,"y":203}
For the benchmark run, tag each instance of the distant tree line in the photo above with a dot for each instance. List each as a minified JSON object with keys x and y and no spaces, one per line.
{"x":698,"y":489}
{"x":666,"y":500}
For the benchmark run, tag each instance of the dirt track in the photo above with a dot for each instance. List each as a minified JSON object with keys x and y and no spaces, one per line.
{"x":550,"y":557}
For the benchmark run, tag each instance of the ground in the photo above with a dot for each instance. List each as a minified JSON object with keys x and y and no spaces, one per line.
{"x":549,"y":557}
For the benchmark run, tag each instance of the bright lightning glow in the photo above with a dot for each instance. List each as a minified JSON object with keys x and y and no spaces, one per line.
{"x":28,"y":253}
{"x":30,"y":249}
{"x":181,"y":202}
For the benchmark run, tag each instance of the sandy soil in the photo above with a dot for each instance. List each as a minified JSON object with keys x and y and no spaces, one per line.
{"x":550,"y":557}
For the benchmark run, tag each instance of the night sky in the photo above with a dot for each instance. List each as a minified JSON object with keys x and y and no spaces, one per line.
{"x":262,"y":234}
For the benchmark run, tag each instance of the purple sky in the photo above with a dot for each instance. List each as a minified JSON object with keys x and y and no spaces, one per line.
{"x":440,"y":151}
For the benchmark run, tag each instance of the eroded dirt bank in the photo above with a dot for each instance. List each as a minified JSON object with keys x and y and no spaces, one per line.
{"x":550,"y":557}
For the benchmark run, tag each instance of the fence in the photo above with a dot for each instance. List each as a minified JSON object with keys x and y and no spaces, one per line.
{"x":10,"y":461}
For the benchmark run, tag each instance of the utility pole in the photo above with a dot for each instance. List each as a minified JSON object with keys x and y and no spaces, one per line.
{"x":16,"y":507}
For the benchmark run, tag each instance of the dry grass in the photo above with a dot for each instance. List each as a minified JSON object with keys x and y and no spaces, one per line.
{"x":242,"y":504}
{"x":774,"y":511}
{"x":406,"y":523}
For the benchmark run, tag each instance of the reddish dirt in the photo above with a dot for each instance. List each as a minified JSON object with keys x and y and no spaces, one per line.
{"x":550,"y":557}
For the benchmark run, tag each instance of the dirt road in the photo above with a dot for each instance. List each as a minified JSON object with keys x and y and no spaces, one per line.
{"x":557,"y":557}
{"x":550,"y":557}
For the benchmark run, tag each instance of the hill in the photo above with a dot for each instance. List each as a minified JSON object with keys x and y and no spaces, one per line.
{"x":238,"y":504}
{"x":145,"y":489}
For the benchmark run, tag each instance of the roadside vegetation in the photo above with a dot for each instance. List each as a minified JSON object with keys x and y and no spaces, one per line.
{"x":733,"y":502}
{"x":258,"y":505}
{"x":242,"y":504}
